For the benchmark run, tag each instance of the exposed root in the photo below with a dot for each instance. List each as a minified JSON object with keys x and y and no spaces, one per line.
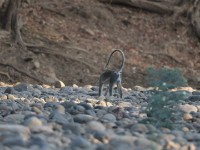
{"x":17,"y":25}
{"x":5,"y":74}
{"x":47,"y":50}
{"x":144,"y":4}
{"x":58,"y":12}
{"x":189,"y":9}
{"x":166,"y":55}
{"x":20,"y":71}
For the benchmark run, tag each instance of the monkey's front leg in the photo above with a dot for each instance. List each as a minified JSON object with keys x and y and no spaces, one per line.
{"x":100,"y":87}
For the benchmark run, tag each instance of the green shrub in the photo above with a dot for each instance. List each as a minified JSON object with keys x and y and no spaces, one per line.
{"x":160,"y":107}
{"x":165,"y":78}
{"x":161,"y":102}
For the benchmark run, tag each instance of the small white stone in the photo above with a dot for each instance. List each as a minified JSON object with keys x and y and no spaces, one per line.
{"x":188,"y":108}
{"x":32,"y":122}
{"x":59,"y":84}
{"x":187,"y":117}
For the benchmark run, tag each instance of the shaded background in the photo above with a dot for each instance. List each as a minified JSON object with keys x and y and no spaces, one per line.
{"x":71,"y":40}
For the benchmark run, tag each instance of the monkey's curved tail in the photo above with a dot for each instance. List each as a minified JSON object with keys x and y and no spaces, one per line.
{"x":123,"y":58}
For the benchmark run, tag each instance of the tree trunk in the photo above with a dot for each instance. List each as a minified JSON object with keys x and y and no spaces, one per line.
{"x":10,"y":14}
{"x":11,"y":21}
{"x":195,"y":18}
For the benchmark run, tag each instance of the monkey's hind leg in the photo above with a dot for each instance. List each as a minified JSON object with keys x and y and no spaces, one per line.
{"x":106,"y":92}
{"x":111,"y":88}
{"x":119,"y":88}
{"x":100,"y":88}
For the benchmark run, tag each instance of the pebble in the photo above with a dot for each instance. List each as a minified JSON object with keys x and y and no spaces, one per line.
{"x":103,"y":136}
{"x":101,"y":103}
{"x":36,"y":110}
{"x":39,"y":141}
{"x":59,"y":84}
{"x":3,"y":97}
{"x":50,"y":99}
{"x":22,"y":87}
{"x":80,"y":108}
{"x":83,"y":118}
{"x":121,"y":142}
{"x":198,"y":107}
{"x":194,"y":98}
{"x":60,"y":109}
{"x":67,"y":90}
{"x":14,"y":139}
{"x":187,"y":117}
{"x":109,"y":118}
{"x":14,"y":118}
{"x":11,"y":97}
{"x":192,"y":147}
{"x":185,"y":129}
{"x":95,"y":125}
{"x":100,"y":112}
{"x":60,"y":118}
{"x":43,"y":129}
{"x":141,"y":128}
{"x":188,"y":108}
{"x":90,"y":112}
{"x":15,"y":128}
{"x":36,"y":93}
{"x":74,"y":128}
{"x":196,"y":93}
{"x":80,"y":142}
{"x":172,"y":145}
{"x":85,"y":105}
{"x":10,"y":90}
{"x":32,"y":122}
{"x":124,"y":104}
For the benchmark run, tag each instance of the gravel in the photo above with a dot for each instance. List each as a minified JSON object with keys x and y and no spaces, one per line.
{"x":61,"y":117}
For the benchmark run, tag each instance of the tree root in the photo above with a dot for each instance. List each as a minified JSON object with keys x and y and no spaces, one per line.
{"x":54,"y":11}
{"x":20,"y":71}
{"x":47,"y":50}
{"x":190,"y":9}
{"x":167,"y":55}
{"x":72,"y":47}
{"x":5,"y":74}
{"x":144,"y":4}
{"x":17,"y":25}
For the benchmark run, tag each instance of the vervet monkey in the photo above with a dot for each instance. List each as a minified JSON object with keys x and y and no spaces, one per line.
{"x":112,"y":77}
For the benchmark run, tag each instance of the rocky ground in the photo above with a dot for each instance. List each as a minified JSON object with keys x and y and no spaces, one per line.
{"x":60,"y":117}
